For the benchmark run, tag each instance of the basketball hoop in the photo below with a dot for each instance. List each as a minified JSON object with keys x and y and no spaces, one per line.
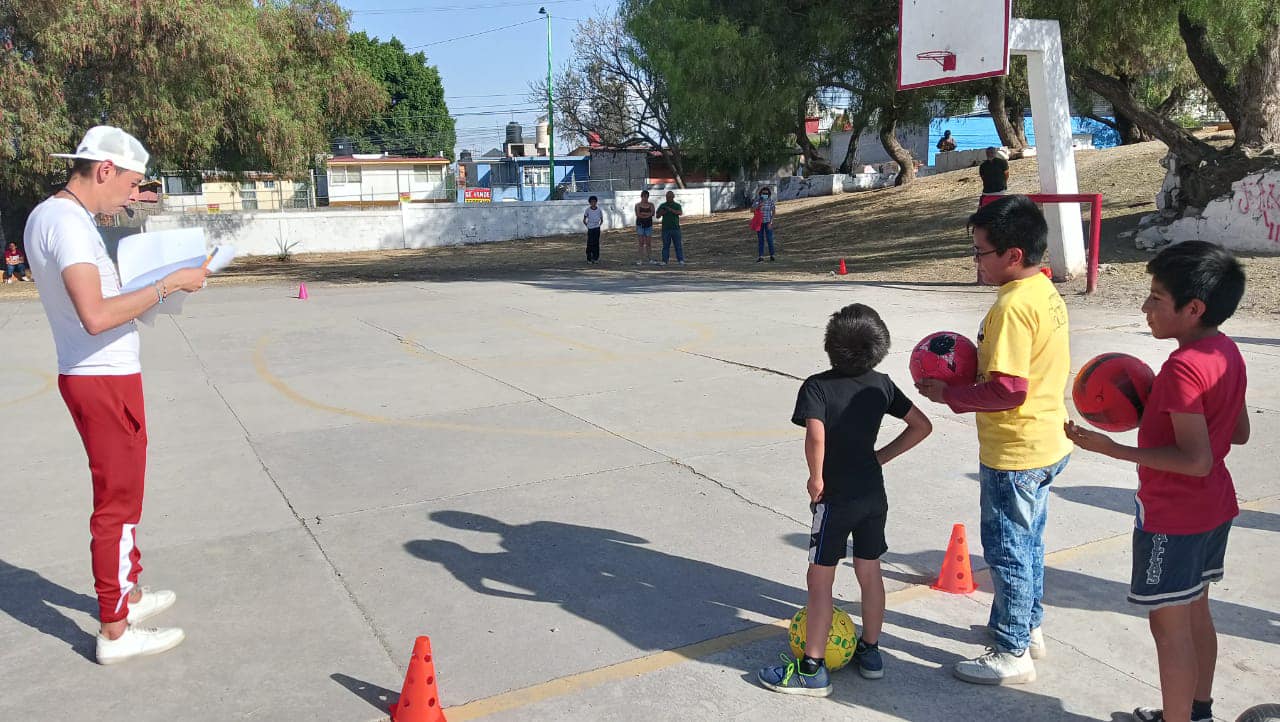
{"x":944,"y":58}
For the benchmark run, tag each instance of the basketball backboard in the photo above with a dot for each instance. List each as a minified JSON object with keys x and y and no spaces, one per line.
{"x":944,"y":41}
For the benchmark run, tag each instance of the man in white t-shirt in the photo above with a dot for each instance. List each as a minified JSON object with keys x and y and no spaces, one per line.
{"x":593,"y":219}
{"x":99,"y":374}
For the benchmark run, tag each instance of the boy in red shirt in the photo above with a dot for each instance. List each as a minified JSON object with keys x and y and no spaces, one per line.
{"x":1185,"y":499}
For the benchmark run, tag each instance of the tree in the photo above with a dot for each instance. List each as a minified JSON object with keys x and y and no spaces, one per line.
{"x":417,"y":120}
{"x":1233,"y":49}
{"x":610,"y":96}
{"x":229,"y":84}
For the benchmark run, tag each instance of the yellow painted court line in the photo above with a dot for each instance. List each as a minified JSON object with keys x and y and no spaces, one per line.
{"x":639,"y":667}
{"x":50,"y":382}
{"x":662,"y":660}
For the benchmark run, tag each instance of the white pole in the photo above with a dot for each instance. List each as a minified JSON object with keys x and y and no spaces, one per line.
{"x":1041,"y":42}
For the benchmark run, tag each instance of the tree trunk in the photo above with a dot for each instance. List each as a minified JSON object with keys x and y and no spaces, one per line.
{"x":889,"y":139}
{"x":814,"y":163}
{"x":1129,"y":131}
{"x":1212,"y":72}
{"x":851,"y":150}
{"x":1012,"y":135}
{"x":674,"y":161}
{"x":1259,"y":93}
{"x":1189,"y":149}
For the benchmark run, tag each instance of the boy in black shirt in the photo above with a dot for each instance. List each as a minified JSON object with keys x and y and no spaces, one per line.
{"x":841,"y":411}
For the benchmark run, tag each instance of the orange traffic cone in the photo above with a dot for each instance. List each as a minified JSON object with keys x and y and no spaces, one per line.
{"x":956,"y":576}
{"x":843,"y":271}
{"x":419,"y":701}
{"x":302,"y":291}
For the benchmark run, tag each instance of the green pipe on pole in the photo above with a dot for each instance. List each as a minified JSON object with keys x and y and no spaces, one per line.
{"x":551,"y":118}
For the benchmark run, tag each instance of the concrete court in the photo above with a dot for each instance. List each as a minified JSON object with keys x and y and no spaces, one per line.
{"x":586,"y":490}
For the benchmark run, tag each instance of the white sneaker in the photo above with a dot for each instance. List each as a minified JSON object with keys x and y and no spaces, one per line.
{"x":138,"y":642}
{"x":150,"y":604}
{"x":997,"y":667}
{"x":682,"y":263}
{"x":1036,"y":647}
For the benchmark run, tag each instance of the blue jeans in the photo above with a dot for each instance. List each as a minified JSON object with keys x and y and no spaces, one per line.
{"x":1015,"y":506}
{"x":766,"y":231}
{"x":14,"y":270}
{"x":670,"y":236}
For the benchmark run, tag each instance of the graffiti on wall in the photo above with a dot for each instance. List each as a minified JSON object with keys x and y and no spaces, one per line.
{"x":1260,"y":198}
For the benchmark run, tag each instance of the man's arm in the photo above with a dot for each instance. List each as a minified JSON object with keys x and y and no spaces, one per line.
{"x":815,"y":447}
{"x":98,"y":314}
{"x":1190,"y":455}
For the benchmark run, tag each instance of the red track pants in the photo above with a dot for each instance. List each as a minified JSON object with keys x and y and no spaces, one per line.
{"x":108,"y":413}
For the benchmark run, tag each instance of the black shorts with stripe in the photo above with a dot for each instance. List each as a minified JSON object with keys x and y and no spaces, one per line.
{"x":835,"y":522}
{"x":1172,"y":569}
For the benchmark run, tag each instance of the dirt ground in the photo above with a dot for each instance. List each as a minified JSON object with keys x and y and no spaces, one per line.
{"x":911,"y":235}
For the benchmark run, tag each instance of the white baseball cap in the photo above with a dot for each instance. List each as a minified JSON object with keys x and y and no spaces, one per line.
{"x":105,"y":142}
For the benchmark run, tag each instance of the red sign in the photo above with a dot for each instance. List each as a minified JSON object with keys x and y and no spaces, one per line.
{"x":477,"y":195}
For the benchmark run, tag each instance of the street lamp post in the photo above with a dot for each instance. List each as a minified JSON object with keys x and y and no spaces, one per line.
{"x":551,"y":118}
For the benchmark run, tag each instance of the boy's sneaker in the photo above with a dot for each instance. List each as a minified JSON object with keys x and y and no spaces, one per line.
{"x":1036,"y":647}
{"x":867,"y":658}
{"x":138,"y":642}
{"x":150,"y":604}
{"x":997,"y":667}
{"x":788,"y":679}
{"x":1151,"y":714}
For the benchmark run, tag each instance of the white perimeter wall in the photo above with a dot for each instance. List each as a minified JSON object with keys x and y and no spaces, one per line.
{"x":412,"y":225}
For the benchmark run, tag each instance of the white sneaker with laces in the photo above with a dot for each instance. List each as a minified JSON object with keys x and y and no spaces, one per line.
{"x":997,"y":667}
{"x":150,"y":604}
{"x":138,"y":642}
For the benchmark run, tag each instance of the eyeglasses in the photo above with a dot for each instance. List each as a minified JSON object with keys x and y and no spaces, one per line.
{"x":979,"y":253}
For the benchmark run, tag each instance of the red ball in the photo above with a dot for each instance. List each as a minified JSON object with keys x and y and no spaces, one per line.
{"x":1111,"y":391}
{"x":945,"y":355}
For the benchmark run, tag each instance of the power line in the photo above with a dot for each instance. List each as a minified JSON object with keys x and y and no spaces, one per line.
{"x":472,"y":35}
{"x":461,"y":8}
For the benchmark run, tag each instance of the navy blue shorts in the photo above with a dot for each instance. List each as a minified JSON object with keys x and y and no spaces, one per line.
{"x":834,"y":523}
{"x":1172,"y":569}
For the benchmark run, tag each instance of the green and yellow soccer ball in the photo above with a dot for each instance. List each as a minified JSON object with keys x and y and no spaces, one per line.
{"x":840,"y":643}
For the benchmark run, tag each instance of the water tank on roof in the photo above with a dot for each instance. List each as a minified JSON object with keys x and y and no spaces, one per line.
{"x":540,"y":135}
{"x":515,"y":134}
{"x":465,"y":157}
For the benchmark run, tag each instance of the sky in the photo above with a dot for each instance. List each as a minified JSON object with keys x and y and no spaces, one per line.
{"x":486,"y":76}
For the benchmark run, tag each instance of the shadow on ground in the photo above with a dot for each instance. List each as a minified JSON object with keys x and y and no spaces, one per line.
{"x":33,"y":600}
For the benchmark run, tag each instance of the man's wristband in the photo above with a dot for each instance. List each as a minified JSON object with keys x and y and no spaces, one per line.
{"x":159,"y":291}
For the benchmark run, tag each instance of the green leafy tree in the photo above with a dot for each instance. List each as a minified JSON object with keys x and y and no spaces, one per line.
{"x":230,"y":84}
{"x":417,"y":120}
{"x":1153,"y":52}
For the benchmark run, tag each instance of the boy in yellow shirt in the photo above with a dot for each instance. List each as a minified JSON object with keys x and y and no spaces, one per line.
{"x":1019,"y":399}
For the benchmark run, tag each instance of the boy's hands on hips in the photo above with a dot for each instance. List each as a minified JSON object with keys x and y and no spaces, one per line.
{"x":815,"y":489}
{"x":932,"y":389}
{"x":1089,"y":440}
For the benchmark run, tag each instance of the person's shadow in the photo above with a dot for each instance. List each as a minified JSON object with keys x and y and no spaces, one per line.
{"x":658,"y":601}
{"x":654,"y":600}
{"x":33,"y":600}
{"x":1121,"y":500}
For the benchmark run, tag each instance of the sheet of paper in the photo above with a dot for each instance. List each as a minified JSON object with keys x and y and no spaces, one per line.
{"x":146,"y":258}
